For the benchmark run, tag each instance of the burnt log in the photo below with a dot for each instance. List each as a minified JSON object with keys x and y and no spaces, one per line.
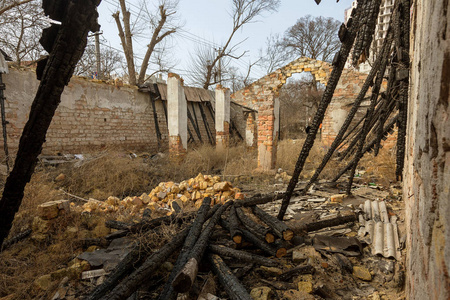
{"x":302,"y":229}
{"x":279,"y":227}
{"x":235,"y":232}
{"x":77,"y":19}
{"x":15,"y":239}
{"x":185,"y":278}
{"x":300,"y":270}
{"x":131,"y":283}
{"x":230,"y":283}
{"x":168,"y":291}
{"x":123,"y":269}
{"x":253,"y":239}
{"x":242,"y":256}
{"x":259,"y":230}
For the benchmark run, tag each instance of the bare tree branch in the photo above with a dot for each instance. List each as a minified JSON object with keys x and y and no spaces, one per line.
{"x":313,"y":37}
{"x":243,"y":12}
{"x":5,"y":7}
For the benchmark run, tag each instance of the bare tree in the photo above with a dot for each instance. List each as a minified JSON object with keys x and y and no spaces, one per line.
{"x":161,"y":26}
{"x":110,"y":61}
{"x":274,"y":55}
{"x":299,"y":101}
{"x":21,"y":26}
{"x":314,"y":37}
{"x":243,"y":12}
{"x":6,"y":5}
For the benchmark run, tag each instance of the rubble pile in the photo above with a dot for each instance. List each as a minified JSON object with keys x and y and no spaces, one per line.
{"x":185,"y":195}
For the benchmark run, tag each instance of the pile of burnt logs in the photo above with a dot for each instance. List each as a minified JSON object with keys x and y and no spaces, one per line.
{"x":242,"y":223}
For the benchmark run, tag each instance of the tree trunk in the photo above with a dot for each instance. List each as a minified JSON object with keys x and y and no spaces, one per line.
{"x":78,"y":18}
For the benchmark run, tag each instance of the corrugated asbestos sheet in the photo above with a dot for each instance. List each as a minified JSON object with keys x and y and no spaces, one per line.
{"x":381,"y":230}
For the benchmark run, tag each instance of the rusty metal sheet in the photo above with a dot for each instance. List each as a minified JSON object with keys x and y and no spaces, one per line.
{"x":162,"y":88}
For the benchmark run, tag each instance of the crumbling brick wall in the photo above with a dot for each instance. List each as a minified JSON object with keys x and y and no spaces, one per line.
{"x":91,"y":116}
{"x":427,"y":172}
{"x":261,"y":96}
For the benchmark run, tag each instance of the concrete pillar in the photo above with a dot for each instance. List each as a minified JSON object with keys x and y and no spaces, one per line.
{"x":251,"y":132}
{"x":222,"y":116}
{"x":177,"y":115}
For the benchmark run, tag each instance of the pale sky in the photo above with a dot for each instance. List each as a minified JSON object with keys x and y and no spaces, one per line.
{"x":207,"y":22}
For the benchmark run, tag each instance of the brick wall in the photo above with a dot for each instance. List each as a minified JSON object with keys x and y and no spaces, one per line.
{"x":261,"y":95}
{"x":91,"y":116}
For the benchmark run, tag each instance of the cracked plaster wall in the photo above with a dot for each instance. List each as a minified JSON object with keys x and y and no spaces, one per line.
{"x":427,"y":171}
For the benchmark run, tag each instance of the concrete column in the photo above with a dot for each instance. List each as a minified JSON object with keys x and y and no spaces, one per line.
{"x":177,"y":115}
{"x":251,"y":132}
{"x":222,"y":117}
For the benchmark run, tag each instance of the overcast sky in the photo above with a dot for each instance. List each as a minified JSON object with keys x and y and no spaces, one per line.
{"x":208,"y":22}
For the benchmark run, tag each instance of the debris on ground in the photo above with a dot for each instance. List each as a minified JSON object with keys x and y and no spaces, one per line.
{"x":203,"y":239}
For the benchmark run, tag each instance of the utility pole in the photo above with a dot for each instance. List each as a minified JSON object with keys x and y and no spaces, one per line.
{"x":97,"y":53}
{"x":220,"y":66}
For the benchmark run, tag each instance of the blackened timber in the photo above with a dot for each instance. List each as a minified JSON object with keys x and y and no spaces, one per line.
{"x":242,"y":256}
{"x":258,"y":199}
{"x":77,"y":19}
{"x":339,"y":137}
{"x":15,"y":239}
{"x":259,"y":230}
{"x":193,"y":124}
{"x":367,"y":148}
{"x":168,"y":291}
{"x":131,"y":283}
{"x":230,"y":283}
{"x":317,"y":225}
{"x":195,"y":118}
{"x":278,"y":227}
{"x":165,"y":110}
{"x":235,"y":232}
{"x":300,"y":270}
{"x":320,"y":113}
{"x":155,"y":118}
{"x":117,"y":225}
{"x":205,"y":123}
{"x":186,"y":277}
{"x":125,"y":267}
{"x":251,"y":238}
{"x":370,"y":111}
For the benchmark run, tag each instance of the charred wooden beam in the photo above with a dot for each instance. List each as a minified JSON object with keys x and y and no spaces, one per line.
{"x":302,"y":229}
{"x":184,"y":280}
{"x":242,"y":256}
{"x":323,"y":105}
{"x":257,"y":242}
{"x":123,"y":269}
{"x":230,"y":283}
{"x":279,"y":227}
{"x":113,"y":224}
{"x":300,"y":270}
{"x":235,"y":232}
{"x":15,"y":239}
{"x":259,"y":230}
{"x":77,"y":19}
{"x":131,"y":283}
{"x":168,"y":291}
